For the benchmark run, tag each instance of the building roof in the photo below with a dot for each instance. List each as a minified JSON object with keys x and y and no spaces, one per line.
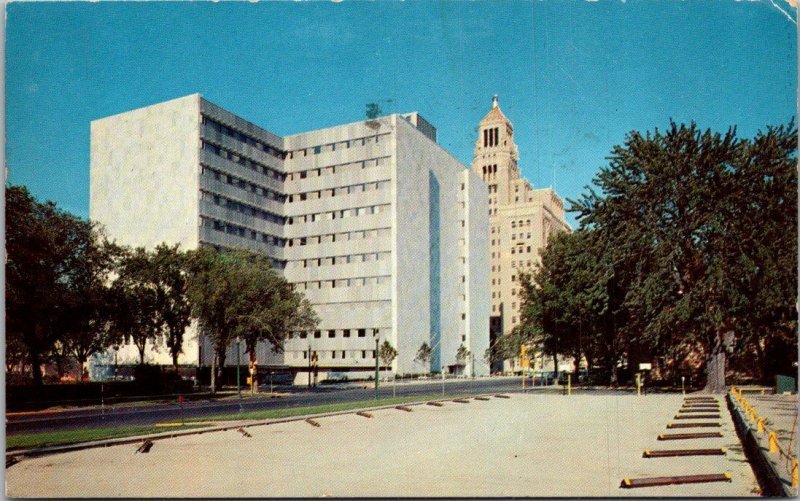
{"x":495,"y":115}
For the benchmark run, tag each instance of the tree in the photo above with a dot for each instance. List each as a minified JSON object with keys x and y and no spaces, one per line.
{"x":387,"y":353}
{"x":51,"y":255}
{"x":135,"y":299}
{"x":236,"y":294}
{"x":568,"y":305}
{"x":168,"y":273}
{"x":462,"y":353}
{"x":678,"y":217}
{"x":424,"y":355}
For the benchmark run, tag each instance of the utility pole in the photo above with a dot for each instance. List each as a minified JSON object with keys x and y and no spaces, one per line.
{"x":377,"y":367}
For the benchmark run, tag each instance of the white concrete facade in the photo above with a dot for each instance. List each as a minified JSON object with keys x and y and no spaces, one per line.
{"x":382,"y":230}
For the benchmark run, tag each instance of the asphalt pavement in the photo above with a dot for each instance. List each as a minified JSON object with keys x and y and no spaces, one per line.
{"x":151,"y":414}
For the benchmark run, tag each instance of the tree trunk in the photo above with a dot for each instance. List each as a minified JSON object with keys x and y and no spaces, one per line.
{"x":715,"y":366}
{"x":36,"y":369}
{"x":253,"y":370}
{"x":577,"y":364}
{"x":81,"y":362}
{"x":213,"y":371}
{"x":555,"y":366}
{"x":175,"y":362}
{"x":762,"y":360}
{"x":221,"y":363}
{"x":141,"y":353}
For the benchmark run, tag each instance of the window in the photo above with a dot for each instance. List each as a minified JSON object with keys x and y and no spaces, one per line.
{"x":363,"y":354}
{"x":346,"y":333}
{"x":317,"y":150}
{"x":303,"y":334}
{"x":362,"y":332}
{"x":373,"y":353}
{"x":333,"y":354}
{"x":317,"y":334}
{"x":375,"y":332}
{"x":331,"y":333}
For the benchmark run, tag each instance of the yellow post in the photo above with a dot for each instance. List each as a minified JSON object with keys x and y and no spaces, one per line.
{"x":794,"y":473}
{"x":753,"y":415}
{"x":639,"y":384}
{"x":760,"y":425}
{"x":569,"y":384}
{"x":762,"y":391}
{"x":773,"y":442}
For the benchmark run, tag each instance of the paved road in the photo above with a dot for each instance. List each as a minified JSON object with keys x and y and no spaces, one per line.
{"x":156,"y":413}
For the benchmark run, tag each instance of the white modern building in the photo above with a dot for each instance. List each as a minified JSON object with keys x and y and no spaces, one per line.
{"x":383,"y":230}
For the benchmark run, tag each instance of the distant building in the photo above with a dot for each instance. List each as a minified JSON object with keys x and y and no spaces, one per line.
{"x":521,"y":218}
{"x":382,"y":229}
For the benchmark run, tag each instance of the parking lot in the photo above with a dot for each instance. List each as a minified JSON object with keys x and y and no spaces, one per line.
{"x":526,"y":445}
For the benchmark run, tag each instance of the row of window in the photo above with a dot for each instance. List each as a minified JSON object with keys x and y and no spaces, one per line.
{"x":519,"y":249}
{"x":513,"y":293}
{"x":242,"y":184}
{"x":341,"y":190}
{"x":339,"y":214}
{"x":341,"y":283}
{"x":333,"y":169}
{"x":490,"y":169}
{"x":341,"y":354}
{"x":324,"y":148}
{"x":241,"y":231}
{"x":241,"y":207}
{"x":332,"y":333}
{"x":347,"y":236}
{"x":491,"y":137}
{"x":242,"y":160}
{"x":244,"y":138}
{"x":334,"y":260}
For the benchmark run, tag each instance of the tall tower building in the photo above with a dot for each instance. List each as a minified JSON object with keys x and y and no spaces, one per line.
{"x":521,"y":218}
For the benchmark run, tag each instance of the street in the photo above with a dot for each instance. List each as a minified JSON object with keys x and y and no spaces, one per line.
{"x":150,"y":414}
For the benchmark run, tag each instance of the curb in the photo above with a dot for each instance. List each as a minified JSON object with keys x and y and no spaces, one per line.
{"x":765,"y":470}
{"x":19,"y":455}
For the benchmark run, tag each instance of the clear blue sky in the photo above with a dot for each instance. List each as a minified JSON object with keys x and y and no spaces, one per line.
{"x":572,"y":76}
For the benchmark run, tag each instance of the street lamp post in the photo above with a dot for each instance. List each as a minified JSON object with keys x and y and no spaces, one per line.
{"x":377,"y":367}
{"x":238,"y":380}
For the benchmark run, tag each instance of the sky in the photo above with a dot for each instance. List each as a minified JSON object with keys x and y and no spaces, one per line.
{"x":574,"y":77}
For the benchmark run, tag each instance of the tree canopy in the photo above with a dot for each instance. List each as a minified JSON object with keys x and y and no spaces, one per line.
{"x":685,"y":236}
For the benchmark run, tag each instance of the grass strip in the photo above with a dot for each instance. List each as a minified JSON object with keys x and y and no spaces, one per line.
{"x":314,"y":409}
{"x":51,"y":438}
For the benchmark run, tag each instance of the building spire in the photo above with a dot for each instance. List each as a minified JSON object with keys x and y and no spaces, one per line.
{"x":494,"y":101}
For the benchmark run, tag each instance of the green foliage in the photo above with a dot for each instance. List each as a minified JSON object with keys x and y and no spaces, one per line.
{"x":168,"y":268}
{"x":373,"y":111}
{"x":462,"y":353}
{"x":237,"y":294}
{"x":54,"y":271}
{"x":387,"y":353}
{"x":424,"y":354}
{"x":689,"y":235}
{"x":136,"y":298}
